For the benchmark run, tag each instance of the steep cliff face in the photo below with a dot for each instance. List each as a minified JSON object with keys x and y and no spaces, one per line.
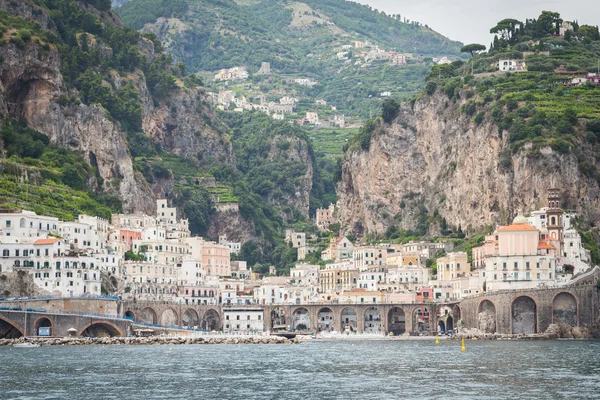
{"x":228,"y":221}
{"x":294,"y":151}
{"x":184,"y":124}
{"x":434,"y":157}
{"x":33,"y":91}
{"x":30,"y":87}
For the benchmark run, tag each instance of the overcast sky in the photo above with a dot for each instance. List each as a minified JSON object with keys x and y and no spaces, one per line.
{"x":469,"y":21}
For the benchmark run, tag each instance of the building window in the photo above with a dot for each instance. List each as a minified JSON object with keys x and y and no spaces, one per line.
{"x":527,"y":265}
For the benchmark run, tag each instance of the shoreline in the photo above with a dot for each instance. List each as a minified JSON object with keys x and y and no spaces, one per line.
{"x":151,"y":340}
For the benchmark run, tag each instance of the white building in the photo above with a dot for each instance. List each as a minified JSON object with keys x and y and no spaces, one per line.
{"x":243,"y":320}
{"x":512,"y":65}
{"x":23,"y":224}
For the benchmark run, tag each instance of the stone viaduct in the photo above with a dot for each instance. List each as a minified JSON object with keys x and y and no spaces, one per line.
{"x":532,"y":311}
{"x":13,"y":324}
{"x":173,"y":314}
{"x":397,"y":318}
{"x":89,"y":316}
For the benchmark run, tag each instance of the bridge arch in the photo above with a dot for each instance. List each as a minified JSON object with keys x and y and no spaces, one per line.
{"x":565,"y":307}
{"x":42,"y":322}
{"x":456,"y":312}
{"x":278,"y":318}
{"x":396,"y":321}
{"x":100,"y":329}
{"x":372,"y":319}
{"x":420,"y":321}
{"x":210,"y":320}
{"x":486,"y":316}
{"x":148,"y":316}
{"x":524,"y":315}
{"x":190,"y":318}
{"x":349,"y":318}
{"x":300,"y":319}
{"x":325,"y":320}
{"x":169,"y":317}
{"x":9,"y":329}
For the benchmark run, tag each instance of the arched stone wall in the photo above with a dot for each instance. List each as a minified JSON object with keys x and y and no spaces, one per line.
{"x":100,"y":329}
{"x":524,"y":315}
{"x":325,"y":320}
{"x":169,"y":317}
{"x":148,"y":316}
{"x":9,"y":329}
{"x":396,"y":321}
{"x":190,"y":318}
{"x":486,"y":316}
{"x":564,"y":309}
{"x":301,"y":319}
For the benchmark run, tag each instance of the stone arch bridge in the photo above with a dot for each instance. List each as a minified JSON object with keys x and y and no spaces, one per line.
{"x":533,"y":311}
{"x":170,"y":314}
{"x":383,"y":318}
{"x":17,"y":323}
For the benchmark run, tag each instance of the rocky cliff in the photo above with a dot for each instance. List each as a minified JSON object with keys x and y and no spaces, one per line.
{"x":30,"y":87}
{"x":294,"y":151}
{"x":434,"y":157}
{"x":32,"y":91}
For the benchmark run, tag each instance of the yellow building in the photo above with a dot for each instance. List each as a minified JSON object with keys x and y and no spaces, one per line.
{"x":337,"y":280}
{"x":452,"y":266}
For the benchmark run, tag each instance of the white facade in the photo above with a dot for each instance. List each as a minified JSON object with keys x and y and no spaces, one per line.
{"x":371,"y":279}
{"x":26,"y":224}
{"x":243,"y":320}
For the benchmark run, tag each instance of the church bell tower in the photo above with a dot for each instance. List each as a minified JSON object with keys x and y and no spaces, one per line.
{"x":554,"y":221}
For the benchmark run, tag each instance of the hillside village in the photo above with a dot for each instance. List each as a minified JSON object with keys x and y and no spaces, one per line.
{"x":154,"y":258}
{"x":359,"y":55}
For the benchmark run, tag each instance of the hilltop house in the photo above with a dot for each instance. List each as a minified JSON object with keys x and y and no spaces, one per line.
{"x":512,"y":65}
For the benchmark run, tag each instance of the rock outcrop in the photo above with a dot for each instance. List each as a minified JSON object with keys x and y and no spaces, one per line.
{"x":30,"y":87}
{"x":295,"y":150}
{"x":32,"y":91}
{"x":434,"y":157}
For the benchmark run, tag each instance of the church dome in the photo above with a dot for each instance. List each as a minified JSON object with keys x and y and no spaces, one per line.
{"x":519,"y":219}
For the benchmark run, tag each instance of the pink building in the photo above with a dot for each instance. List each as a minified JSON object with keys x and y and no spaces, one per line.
{"x":487,"y":249}
{"x":325,"y":217}
{"x":216,"y":259}
{"x":424,"y":294}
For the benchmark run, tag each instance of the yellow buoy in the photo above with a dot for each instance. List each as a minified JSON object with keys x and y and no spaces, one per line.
{"x":437,"y":341}
{"x":463,"y":348}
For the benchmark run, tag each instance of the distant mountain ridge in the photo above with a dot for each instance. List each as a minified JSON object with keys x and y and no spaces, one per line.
{"x":214,"y":34}
{"x":325,"y":41}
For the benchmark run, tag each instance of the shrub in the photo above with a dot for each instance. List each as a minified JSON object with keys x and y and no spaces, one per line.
{"x":390,"y":109}
{"x":431,"y":87}
{"x":479,"y":117}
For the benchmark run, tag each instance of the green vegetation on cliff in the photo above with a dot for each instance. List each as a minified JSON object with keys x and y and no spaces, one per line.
{"x":300,"y":40}
{"x":48,"y":180}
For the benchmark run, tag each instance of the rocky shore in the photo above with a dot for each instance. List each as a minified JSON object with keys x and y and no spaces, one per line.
{"x":559,"y":330}
{"x":153,"y":340}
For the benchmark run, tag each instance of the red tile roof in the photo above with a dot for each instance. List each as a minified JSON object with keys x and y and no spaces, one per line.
{"x":46,"y":241}
{"x":517,"y":227}
{"x":545,"y":245}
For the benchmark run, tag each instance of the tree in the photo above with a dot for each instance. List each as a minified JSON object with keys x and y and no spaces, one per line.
{"x":390,"y":110}
{"x":473,"y":49}
{"x":589,"y":32}
{"x":507,"y":28}
{"x":548,"y":23}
